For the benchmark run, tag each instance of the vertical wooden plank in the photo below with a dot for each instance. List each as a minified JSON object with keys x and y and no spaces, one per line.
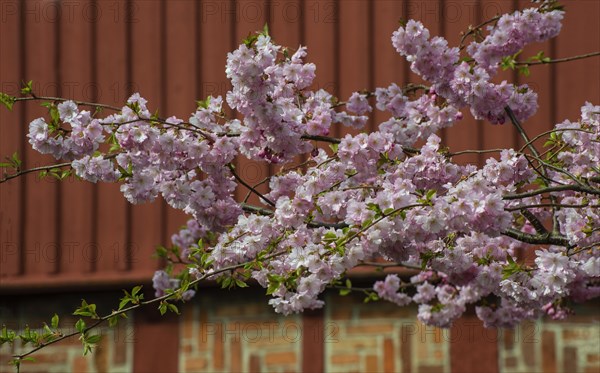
{"x":353,"y":47}
{"x":41,"y":202}
{"x":504,"y":135}
{"x":147,"y":223}
{"x":216,"y":20}
{"x":156,"y":343}
{"x":320,"y":19}
{"x":540,"y":80}
{"x":577,"y":81}
{"x":111,"y":55}
{"x":250,"y":17}
{"x":12,"y":139}
{"x":285,"y":22}
{"x":429,"y":13}
{"x":76,"y":229}
{"x":181,"y":69}
{"x":473,"y":348}
{"x":465,"y":134}
{"x":286,"y":29}
{"x":388,"y":66}
{"x":313,"y":341}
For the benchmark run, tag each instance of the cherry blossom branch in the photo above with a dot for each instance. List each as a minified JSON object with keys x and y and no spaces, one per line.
{"x":537,"y":224}
{"x":595,"y":245}
{"x":550,"y":132}
{"x":168,"y":296}
{"x":35,"y":169}
{"x":558,"y":188}
{"x":549,"y":205}
{"x":60,"y":99}
{"x":517,"y":124}
{"x":475,"y":29}
{"x":558,"y":60}
{"x":497,"y":150}
{"x":546,"y":239}
{"x":241,"y":181}
{"x":389,"y":265}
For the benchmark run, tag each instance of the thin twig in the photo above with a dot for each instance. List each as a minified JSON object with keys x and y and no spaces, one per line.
{"x":558,"y":60}
{"x":144,"y":303}
{"x":85,"y":103}
{"x":241,"y":181}
{"x":35,"y":169}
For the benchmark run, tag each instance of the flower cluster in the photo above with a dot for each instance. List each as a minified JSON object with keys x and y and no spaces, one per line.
{"x":395,"y":194}
{"x":469,"y":84}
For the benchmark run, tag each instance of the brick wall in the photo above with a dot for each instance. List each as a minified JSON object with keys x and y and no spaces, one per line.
{"x":237,"y":331}
{"x":114,"y":352}
{"x":381,"y":338}
{"x":569,"y":346}
{"x":240,"y":333}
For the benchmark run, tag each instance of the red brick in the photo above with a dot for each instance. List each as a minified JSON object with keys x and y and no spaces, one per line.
{"x":406,"y":354}
{"x":577,"y":334}
{"x":51,"y":356}
{"x":386,"y":312}
{"x":80,"y":364}
{"x":569,"y":359}
{"x":345,"y":359}
{"x":236,"y":356}
{"x":389,"y":357}
{"x":370,"y":329}
{"x":101,"y":354}
{"x":218,"y":350}
{"x":548,"y":352}
{"x":431,"y":369}
{"x":280,"y":358}
{"x":121,"y":344}
{"x":196,"y":364}
{"x":511,"y":362}
{"x":529,"y":339}
{"x":254,"y":364}
{"x":372,"y":363}
{"x":341,"y":313}
{"x":593,"y":358}
{"x":188,"y":322}
{"x":509,"y":339}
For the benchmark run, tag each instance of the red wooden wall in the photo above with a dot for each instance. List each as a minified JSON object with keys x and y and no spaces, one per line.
{"x":173,"y":52}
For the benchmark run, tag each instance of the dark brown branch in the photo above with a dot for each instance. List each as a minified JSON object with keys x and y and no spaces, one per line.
{"x":546,"y":239}
{"x":35,"y":169}
{"x":558,"y":60}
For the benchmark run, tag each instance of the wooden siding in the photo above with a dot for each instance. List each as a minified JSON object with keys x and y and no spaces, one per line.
{"x":54,"y":235}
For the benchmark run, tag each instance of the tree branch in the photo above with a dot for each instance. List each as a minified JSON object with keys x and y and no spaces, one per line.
{"x":558,"y":60}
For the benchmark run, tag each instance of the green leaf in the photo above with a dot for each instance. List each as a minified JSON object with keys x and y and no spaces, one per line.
{"x":173,"y":308}
{"x":27,"y":87}
{"x":15,"y":160}
{"x":7,"y":100}
{"x":330,"y":236}
{"x":53,"y":110}
{"x":162,"y":308}
{"x":240,"y":283}
{"x":265,"y":31}
{"x":524,"y":70}
{"x":203,"y":104}
{"x":93,"y":339}
{"x":113,"y":321}
{"x":80,"y":326}
{"x":136,"y":290}
{"x":344,"y":292}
